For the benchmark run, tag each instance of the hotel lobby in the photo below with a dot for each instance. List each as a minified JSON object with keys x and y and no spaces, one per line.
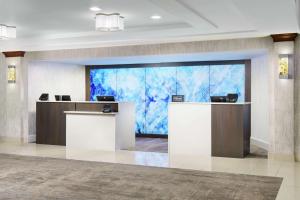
{"x":150,"y":99}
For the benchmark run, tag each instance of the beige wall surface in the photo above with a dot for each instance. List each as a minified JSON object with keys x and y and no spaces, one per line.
{"x":13,"y":101}
{"x":297,"y":98}
{"x":3,"y":84}
{"x":233,"y":45}
{"x":282,"y":113}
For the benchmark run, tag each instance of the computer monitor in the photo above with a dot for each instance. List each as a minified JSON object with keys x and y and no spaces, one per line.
{"x":105,"y":98}
{"x":218,"y":98}
{"x":66,"y":98}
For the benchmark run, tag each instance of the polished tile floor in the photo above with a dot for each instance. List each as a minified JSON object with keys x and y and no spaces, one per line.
{"x":151,"y":144}
{"x":161,"y":145}
{"x":290,"y":171}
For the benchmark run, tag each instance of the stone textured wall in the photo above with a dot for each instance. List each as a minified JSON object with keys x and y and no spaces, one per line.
{"x":13,"y":101}
{"x":232,"y":45}
{"x":297,"y":98}
{"x":3,"y":81}
{"x":282,"y":113}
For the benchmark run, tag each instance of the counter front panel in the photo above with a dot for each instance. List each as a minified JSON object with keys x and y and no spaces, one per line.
{"x":210,"y":129}
{"x":230,"y":130}
{"x":51,"y":122}
{"x":95,"y":106}
{"x":51,"y":119}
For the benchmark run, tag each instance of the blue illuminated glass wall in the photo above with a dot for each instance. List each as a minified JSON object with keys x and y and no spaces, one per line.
{"x":103,"y":83}
{"x":131,"y":88}
{"x":160,"y":86}
{"x":226,"y":79}
{"x":193,"y":83}
{"x":151,"y":88}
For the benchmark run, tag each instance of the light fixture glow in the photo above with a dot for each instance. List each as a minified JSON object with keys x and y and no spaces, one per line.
{"x":109,"y":22}
{"x":155,"y":17}
{"x":11,"y":74}
{"x":95,"y":9}
{"x":285,"y":66}
{"x":7,"y":32}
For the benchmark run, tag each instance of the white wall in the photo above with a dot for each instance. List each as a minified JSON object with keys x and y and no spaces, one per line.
{"x":297,"y":98}
{"x":260,"y":101}
{"x":3,"y":83}
{"x":53,"y":78}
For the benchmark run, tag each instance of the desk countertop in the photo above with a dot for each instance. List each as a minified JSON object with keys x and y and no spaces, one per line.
{"x":212,"y":103}
{"x":88,"y":113}
{"x":79,"y":102}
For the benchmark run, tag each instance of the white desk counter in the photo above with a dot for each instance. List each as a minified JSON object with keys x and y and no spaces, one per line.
{"x":101,"y":131}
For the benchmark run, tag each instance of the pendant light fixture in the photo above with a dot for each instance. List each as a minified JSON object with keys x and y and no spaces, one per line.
{"x":109,"y":22}
{"x":7,"y":32}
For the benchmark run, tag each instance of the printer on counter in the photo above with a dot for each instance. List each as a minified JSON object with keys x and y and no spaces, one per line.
{"x":230,"y":98}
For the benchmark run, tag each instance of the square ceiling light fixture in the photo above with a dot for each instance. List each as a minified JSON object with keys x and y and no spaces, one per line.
{"x":7,"y":32}
{"x":109,"y":22}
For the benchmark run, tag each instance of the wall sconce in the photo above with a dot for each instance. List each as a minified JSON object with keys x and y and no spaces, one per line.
{"x":286,"y":66}
{"x":11,"y":74}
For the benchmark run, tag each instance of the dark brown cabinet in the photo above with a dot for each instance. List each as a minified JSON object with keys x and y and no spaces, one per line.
{"x":51,"y":122}
{"x":231,"y":130}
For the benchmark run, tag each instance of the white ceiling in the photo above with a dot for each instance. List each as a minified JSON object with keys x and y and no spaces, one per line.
{"x":64,"y":24}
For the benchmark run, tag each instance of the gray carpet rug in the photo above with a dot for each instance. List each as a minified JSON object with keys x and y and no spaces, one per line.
{"x":23,"y":177}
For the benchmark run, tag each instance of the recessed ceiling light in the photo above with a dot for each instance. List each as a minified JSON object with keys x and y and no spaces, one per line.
{"x":155,"y":17}
{"x":95,"y":8}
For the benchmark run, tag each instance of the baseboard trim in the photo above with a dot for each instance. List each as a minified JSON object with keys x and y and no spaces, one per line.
{"x":297,"y":157}
{"x":260,"y":143}
{"x":281,"y":157}
{"x":31,"y":139}
{"x":10,"y":139}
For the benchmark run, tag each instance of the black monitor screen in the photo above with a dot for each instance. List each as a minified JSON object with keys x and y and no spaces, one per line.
{"x":105,"y":98}
{"x":66,"y":98}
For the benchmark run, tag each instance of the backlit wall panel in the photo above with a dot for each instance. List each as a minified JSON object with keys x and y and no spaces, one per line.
{"x":226,"y":79}
{"x":103,"y":82}
{"x":151,"y":88}
{"x":193,"y":83}
{"x":131,"y":88}
{"x":160,"y":86}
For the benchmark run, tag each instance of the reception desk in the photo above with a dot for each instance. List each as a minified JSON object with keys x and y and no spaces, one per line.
{"x":81,"y":124}
{"x":101,"y":131}
{"x":209,"y":129}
